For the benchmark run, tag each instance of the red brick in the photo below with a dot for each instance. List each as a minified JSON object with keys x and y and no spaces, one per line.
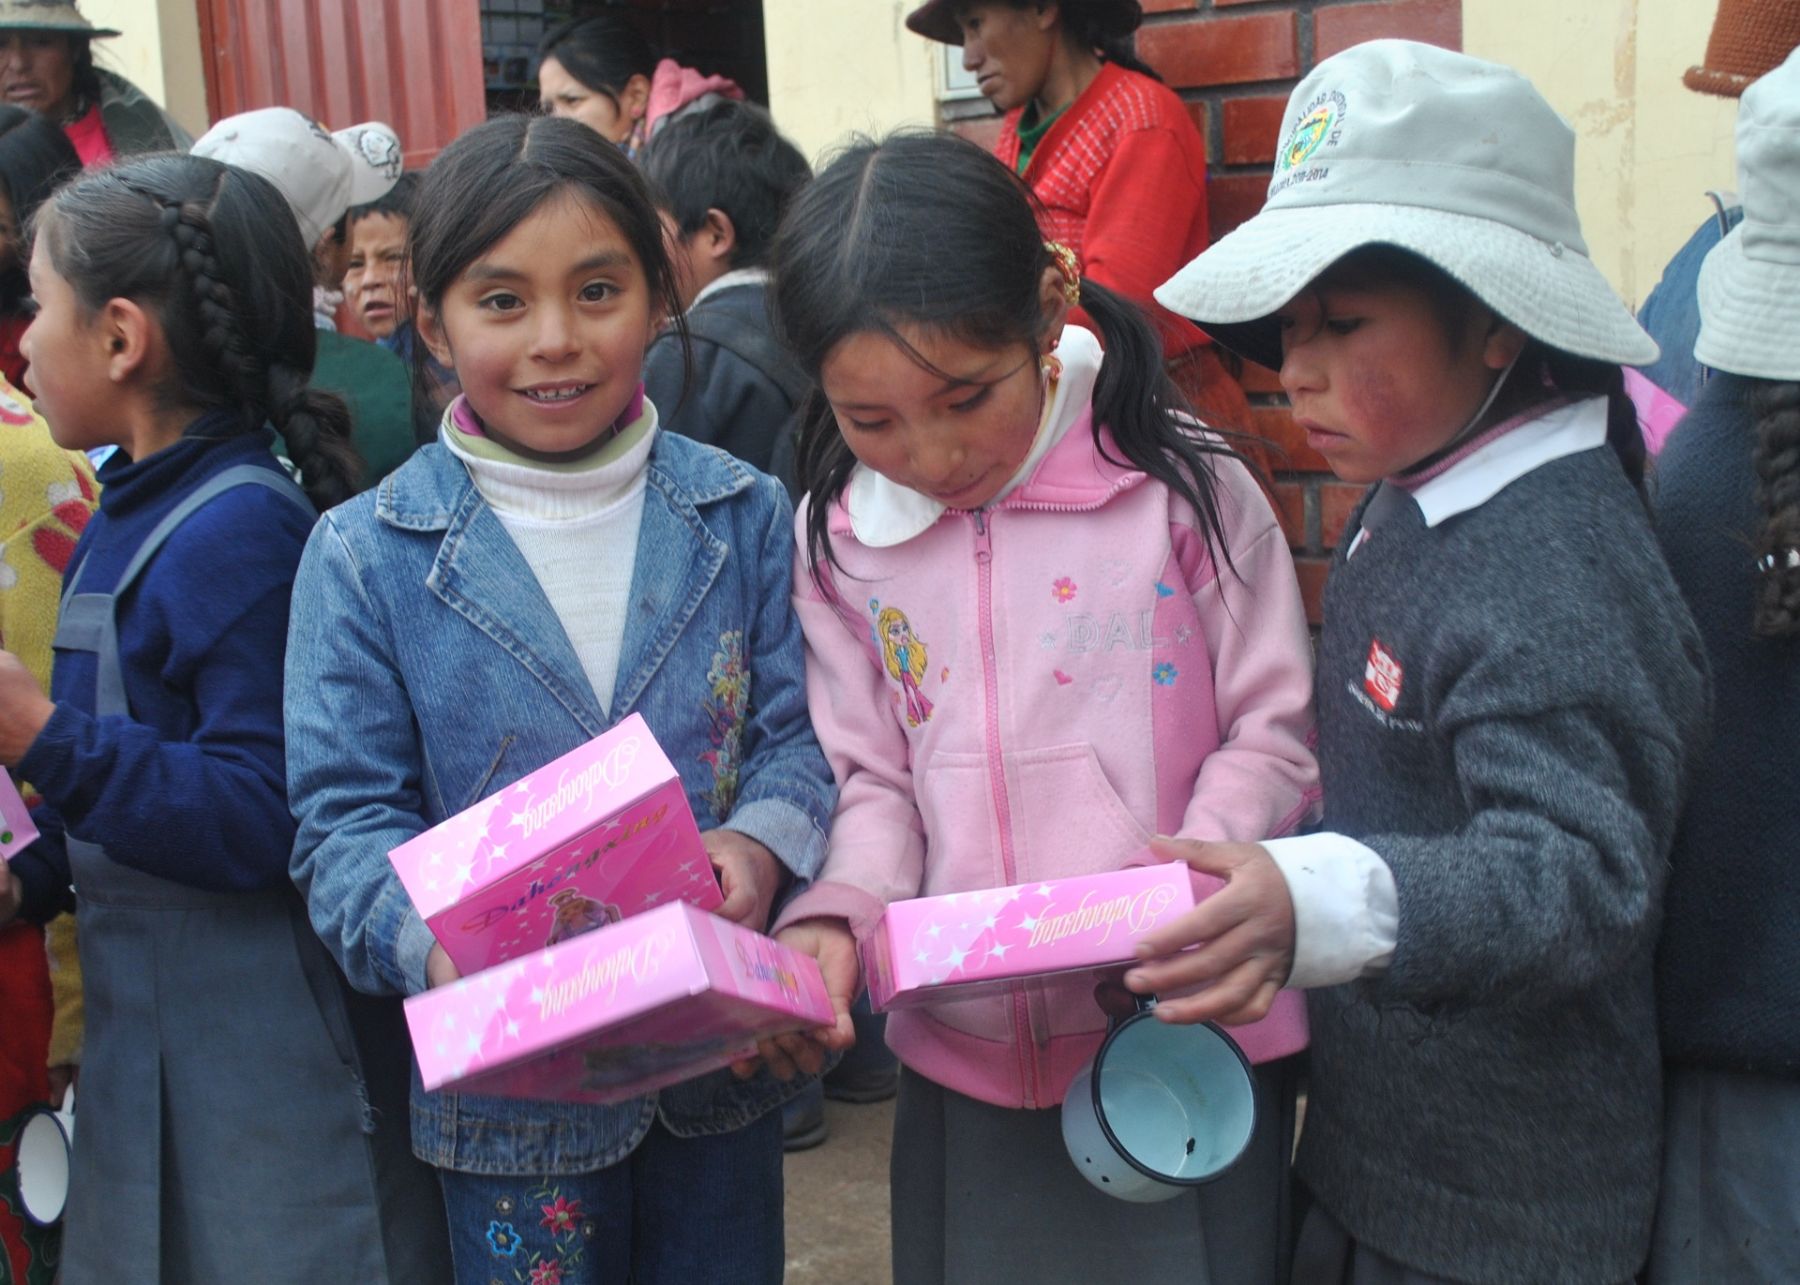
{"x":984,"y":130}
{"x":1337,"y":501}
{"x":1275,"y":425}
{"x":1197,"y":113}
{"x":1223,"y":51}
{"x":1252,"y":128}
{"x":1436,"y":22}
{"x":1233,"y":198}
{"x":1289,"y":499}
{"x":1312,"y":572}
{"x":1169,"y":6}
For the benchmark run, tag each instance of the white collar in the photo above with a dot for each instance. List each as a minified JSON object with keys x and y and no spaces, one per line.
{"x":736,"y":277}
{"x":884,"y":513}
{"x":1482,"y":474}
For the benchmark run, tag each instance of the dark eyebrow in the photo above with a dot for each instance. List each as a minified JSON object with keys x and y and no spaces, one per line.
{"x":483,"y":272}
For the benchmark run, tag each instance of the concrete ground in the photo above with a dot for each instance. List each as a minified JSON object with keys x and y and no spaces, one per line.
{"x":837,"y":1200}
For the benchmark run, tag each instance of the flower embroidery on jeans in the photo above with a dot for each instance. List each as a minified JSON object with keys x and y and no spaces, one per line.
{"x":727,"y":705}
{"x":564,"y":1215}
{"x":502,"y":1239}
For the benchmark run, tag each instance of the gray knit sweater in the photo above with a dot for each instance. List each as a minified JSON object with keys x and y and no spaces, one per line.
{"x":1489,"y":1109}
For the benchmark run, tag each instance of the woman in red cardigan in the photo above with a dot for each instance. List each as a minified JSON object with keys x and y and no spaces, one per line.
{"x":1109,"y":150}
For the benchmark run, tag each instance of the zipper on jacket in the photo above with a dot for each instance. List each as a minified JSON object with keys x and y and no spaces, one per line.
{"x":1023,"y":1035}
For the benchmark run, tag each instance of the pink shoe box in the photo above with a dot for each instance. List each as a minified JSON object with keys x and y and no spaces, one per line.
{"x":662,"y":997}
{"x":971,"y":943}
{"x":16,"y":829}
{"x":599,"y":834}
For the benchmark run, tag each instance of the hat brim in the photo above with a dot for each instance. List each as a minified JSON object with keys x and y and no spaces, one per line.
{"x":1553,"y":293}
{"x":1748,"y":322}
{"x":936,"y":20}
{"x":67,"y":28}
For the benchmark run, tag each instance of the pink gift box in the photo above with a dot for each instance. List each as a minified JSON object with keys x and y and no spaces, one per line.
{"x":599,"y":834}
{"x":662,"y":997}
{"x":16,"y":829}
{"x":970,"y":943}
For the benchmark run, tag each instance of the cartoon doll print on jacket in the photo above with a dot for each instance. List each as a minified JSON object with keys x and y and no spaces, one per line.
{"x":905,"y":658}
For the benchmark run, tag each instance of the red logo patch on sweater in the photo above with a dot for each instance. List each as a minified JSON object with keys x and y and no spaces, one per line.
{"x":1381,"y":676}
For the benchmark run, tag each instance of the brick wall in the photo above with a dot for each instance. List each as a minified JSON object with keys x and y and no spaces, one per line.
{"x":1235,"y":61}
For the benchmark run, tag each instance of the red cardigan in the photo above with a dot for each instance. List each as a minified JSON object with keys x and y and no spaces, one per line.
{"x":1122,"y":176}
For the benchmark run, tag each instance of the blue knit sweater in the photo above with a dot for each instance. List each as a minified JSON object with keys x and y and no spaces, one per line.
{"x":1728,"y":967}
{"x":193,"y":786}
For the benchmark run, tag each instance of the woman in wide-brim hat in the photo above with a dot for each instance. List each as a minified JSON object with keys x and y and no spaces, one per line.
{"x":47,"y":65}
{"x":1110,"y":151}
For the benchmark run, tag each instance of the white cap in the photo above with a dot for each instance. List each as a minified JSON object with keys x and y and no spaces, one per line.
{"x":1458,"y":160}
{"x":1749,"y":290}
{"x":321,"y":174}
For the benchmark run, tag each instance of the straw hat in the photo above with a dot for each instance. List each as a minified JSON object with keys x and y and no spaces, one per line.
{"x":1749,"y":39}
{"x":48,"y":15}
{"x":936,"y":20}
{"x":1749,"y":290}
{"x":1459,"y":161}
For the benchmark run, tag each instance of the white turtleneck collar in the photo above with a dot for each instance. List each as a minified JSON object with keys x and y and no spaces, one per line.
{"x":521,"y":489}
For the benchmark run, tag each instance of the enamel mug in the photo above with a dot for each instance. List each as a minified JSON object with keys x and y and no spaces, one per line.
{"x":41,"y":1161}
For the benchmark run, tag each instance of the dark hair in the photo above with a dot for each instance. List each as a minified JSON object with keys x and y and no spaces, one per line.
{"x":215,"y":255}
{"x":603,"y":52}
{"x":1105,"y":26}
{"x":927,"y":230}
{"x":730,"y":157}
{"x":81,"y":62}
{"x":398,"y":201}
{"x":35,"y":157}
{"x":515,"y":164}
{"x":1540,"y":372}
{"x":1775,"y":410}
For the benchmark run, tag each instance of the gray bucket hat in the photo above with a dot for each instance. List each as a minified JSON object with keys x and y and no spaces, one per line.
{"x":1459,"y":161}
{"x":48,"y":15}
{"x":1750,"y":283}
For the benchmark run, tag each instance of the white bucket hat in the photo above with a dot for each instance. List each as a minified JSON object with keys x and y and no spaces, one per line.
{"x":1750,"y":283}
{"x":321,"y":174}
{"x":1456,"y":159}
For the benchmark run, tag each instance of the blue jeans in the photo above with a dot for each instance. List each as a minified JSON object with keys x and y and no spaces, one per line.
{"x":676,"y":1210}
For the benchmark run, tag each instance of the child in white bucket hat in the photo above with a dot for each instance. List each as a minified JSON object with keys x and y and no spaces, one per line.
{"x":1509,"y":686}
{"x":1728,"y":514}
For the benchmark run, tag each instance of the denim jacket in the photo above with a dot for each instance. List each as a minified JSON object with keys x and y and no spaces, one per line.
{"x":426,"y":670}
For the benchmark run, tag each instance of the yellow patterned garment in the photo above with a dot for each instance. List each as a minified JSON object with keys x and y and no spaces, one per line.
{"x":46,"y":496}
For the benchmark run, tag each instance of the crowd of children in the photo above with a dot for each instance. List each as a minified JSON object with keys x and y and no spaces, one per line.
{"x":900,"y":530}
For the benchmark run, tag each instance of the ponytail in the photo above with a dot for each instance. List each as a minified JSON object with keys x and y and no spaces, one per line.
{"x":1108,"y":32}
{"x":1775,"y":411}
{"x":315,"y":425}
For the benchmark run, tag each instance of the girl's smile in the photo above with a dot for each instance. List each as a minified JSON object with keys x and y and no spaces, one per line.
{"x":547,"y":329}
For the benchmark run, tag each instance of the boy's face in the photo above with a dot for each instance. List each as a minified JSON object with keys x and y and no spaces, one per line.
{"x":375,"y":284}
{"x":1377,"y":379}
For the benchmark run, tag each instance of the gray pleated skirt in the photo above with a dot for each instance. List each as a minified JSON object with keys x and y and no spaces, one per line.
{"x":988,"y":1196}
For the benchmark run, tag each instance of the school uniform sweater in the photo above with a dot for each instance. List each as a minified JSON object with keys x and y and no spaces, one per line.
{"x":1507,"y":700}
{"x":192,"y":787}
{"x":1728,"y":967}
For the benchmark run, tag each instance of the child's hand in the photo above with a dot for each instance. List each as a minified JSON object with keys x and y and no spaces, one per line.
{"x":24,"y":709}
{"x":1247,"y":928}
{"x":831,"y":942}
{"x":749,"y":876}
{"x":11,"y":893}
{"x":439,"y":971}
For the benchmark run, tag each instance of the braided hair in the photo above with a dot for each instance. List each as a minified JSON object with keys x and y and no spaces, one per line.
{"x":214,"y":253}
{"x":1775,"y":411}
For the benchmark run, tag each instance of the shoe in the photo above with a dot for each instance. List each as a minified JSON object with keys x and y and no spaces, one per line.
{"x":863,"y":1086}
{"x":803,"y":1124}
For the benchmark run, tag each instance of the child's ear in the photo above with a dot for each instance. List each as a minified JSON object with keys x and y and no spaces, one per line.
{"x":721,"y":236}
{"x":429,"y":324}
{"x":1053,"y":306}
{"x":1503,"y":344}
{"x":129,"y":337}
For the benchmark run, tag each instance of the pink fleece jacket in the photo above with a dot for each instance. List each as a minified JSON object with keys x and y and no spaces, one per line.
{"x":1031,"y":692}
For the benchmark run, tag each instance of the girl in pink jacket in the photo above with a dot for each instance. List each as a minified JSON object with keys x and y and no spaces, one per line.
{"x":1046,"y":620}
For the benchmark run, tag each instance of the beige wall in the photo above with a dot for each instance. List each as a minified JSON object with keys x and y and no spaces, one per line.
{"x":1648,"y":147}
{"x":837,"y":67}
{"x":158,"y":51}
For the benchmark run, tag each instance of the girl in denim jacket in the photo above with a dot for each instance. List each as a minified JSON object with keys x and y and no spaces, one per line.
{"x":550,"y":565}
{"x":1045,"y":620}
